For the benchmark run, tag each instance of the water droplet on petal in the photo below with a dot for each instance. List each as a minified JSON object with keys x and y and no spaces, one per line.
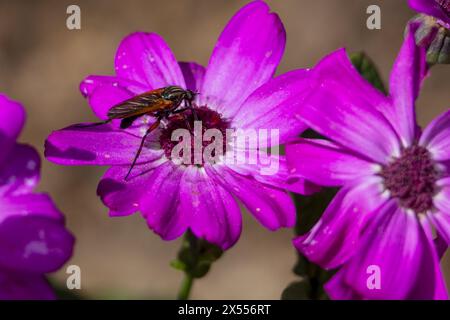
{"x":30,"y":182}
{"x":31,"y":165}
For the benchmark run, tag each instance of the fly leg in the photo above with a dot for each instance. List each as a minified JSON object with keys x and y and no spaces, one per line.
{"x":186,"y":120}
{"x":193,"y":111}
{"x":188,"y":107}
{"x":138,"y":153}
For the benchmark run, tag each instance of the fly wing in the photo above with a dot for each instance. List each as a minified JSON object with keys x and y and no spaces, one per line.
{"x":147,"y":102}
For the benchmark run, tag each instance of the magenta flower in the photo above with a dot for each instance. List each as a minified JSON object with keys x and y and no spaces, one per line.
{"x":33,"y":239}
{"x":236,"y":90}
{"x":394,"y":178}
{"x":440,"y":9}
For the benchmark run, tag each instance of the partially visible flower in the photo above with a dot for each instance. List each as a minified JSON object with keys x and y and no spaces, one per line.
{"x":33,"y":239}
{"x":237,"y":90}
{"x":394,"y":178}
{"x":432,"y":28}
{"x":439,"y":9}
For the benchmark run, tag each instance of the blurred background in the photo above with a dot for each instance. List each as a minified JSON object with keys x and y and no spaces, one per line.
{"x":42,"y":64}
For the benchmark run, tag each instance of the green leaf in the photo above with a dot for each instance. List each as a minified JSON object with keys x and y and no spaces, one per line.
{"x":177,"y":264}
{"x":297,"y":290}
{"x":368,"y":70}
{"x":196,"y":256}
{"x":439,"y":49}
{"x":63,"y":293}
{"x":310,"y":208}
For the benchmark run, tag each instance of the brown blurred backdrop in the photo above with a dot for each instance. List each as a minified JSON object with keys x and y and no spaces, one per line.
{"x":42,"y":63}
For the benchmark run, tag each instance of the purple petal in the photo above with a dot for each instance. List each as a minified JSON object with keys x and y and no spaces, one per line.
{"x":159,"y":204}
{"x":32,"y":234}
{"x":441,"y":218}
{"x":103,"y":92}
{"x":274,"y":172}
{"x":246,"y":56}
{"x":146,"y":58}
{"x":12,"y":119}
{"x":337,"y":289}
{"x":105,"y":97}
{"x":21,"y":174}
{"x":341,"y":111}
{"x":407,"y":74}
{"x":93,"y":82}
{"x":272,"y":207}
{"x":441,"y":221}
{"x":29,"y":204}
{"x":436,"y":137}
{"x":274,"y":105}
{"x":326,"y":163}
{"x":337,"y":67}
{"x":100,"y":145}
{"x":215,"y":215}
{"x":441,"y":246}
{"x":333,"y":240}
{"x":416,"y":277}
{"x":430,"y":284}
{"x":432,"y":8}
{"x":193,"y":74}
{"x":24,"y":286}
{"x":122,"y":196}
{"x":394,"y":245}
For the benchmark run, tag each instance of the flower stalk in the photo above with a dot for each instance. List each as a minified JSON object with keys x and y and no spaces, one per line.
{"x":185,"y":288}
{"x":194,"y":259}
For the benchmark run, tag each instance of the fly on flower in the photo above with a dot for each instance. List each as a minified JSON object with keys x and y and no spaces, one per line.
{"x":159,"y":103}
{"x":238,"y":90}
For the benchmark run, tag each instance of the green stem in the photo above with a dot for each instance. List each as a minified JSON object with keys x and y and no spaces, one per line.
{"x":186,"y":286}
{"x":314,"y":281}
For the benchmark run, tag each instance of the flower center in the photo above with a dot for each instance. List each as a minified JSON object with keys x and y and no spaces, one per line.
{"x":411,"y":178}
{"x":445,"y":5}
{"x":186,"y":120}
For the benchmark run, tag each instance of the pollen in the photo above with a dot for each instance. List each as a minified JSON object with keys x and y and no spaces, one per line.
{"x":411,"y":178}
